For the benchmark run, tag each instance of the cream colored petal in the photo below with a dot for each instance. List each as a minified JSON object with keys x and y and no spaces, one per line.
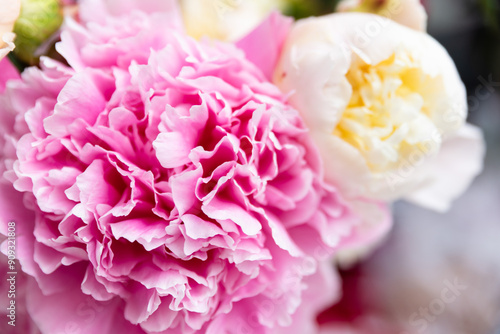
{"x":411,"y":14}
{"x":452,"y":171}
{"x":9,"y":11}
{"x":7,"y":44}
{"x":344,"y":165}
{"x":227,"y":20}
{"x":312,"y":69}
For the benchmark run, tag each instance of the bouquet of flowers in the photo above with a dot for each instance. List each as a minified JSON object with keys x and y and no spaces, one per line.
{"x":200,"y":166}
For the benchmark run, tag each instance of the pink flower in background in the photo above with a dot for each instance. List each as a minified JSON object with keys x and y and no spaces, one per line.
{"x":167,"y":186}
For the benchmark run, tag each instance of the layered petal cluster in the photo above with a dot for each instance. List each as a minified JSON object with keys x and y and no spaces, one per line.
{"x":385,"y":105}
{"x":169,"y":187}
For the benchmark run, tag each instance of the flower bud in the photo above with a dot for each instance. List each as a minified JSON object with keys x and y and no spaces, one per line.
{"x":38,"y":21}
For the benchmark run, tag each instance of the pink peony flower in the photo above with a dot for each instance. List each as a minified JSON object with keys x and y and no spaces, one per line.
{"x":163,"y":185}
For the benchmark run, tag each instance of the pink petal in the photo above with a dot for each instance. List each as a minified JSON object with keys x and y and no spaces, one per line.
{"x":270,"y":35}
{"x":7,"y":72}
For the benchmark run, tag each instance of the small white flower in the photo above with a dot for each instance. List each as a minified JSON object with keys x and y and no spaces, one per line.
{"x":386,"y":106}
{"x":410,"y":13}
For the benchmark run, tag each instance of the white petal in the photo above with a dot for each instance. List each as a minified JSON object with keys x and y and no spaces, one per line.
{"x":344,"y":165}
{"x":6,"y":44}
{"x":347,"y":169}
{"x":452,"y":171}
{"x":8,"y":14}
{"x":313,"y":70}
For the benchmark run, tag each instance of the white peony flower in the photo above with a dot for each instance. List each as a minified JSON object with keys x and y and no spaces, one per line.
{"x":385,"y":105}
{"x":227,"y":20}
{"x":410,"y":13}
{"x":9,"y":11}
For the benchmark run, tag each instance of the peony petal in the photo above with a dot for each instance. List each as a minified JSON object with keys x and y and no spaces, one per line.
{"x":452,"y":171}
{"x":224,"y":209}
{"x":141,"y":304}
{"x":172,"y":149}
{"x":7,"y":72}
{"x":324,"y":288}
{"x":162,"y":319}
{"x":149,"y":232}
{"x":76,"y":312}
{"x":197,"y":228}
{"x":183,"y":187}
{"x":282,"y":238}
{"x":83,"y":98}
{"x":270,"y":34}
{"x":91,"y":286}
{"x":346,"y":163}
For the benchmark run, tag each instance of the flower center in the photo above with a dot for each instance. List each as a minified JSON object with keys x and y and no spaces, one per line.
{"x":388,"y":116}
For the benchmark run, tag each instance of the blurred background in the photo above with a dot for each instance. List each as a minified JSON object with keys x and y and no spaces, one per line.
{"x":440,"y":273}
